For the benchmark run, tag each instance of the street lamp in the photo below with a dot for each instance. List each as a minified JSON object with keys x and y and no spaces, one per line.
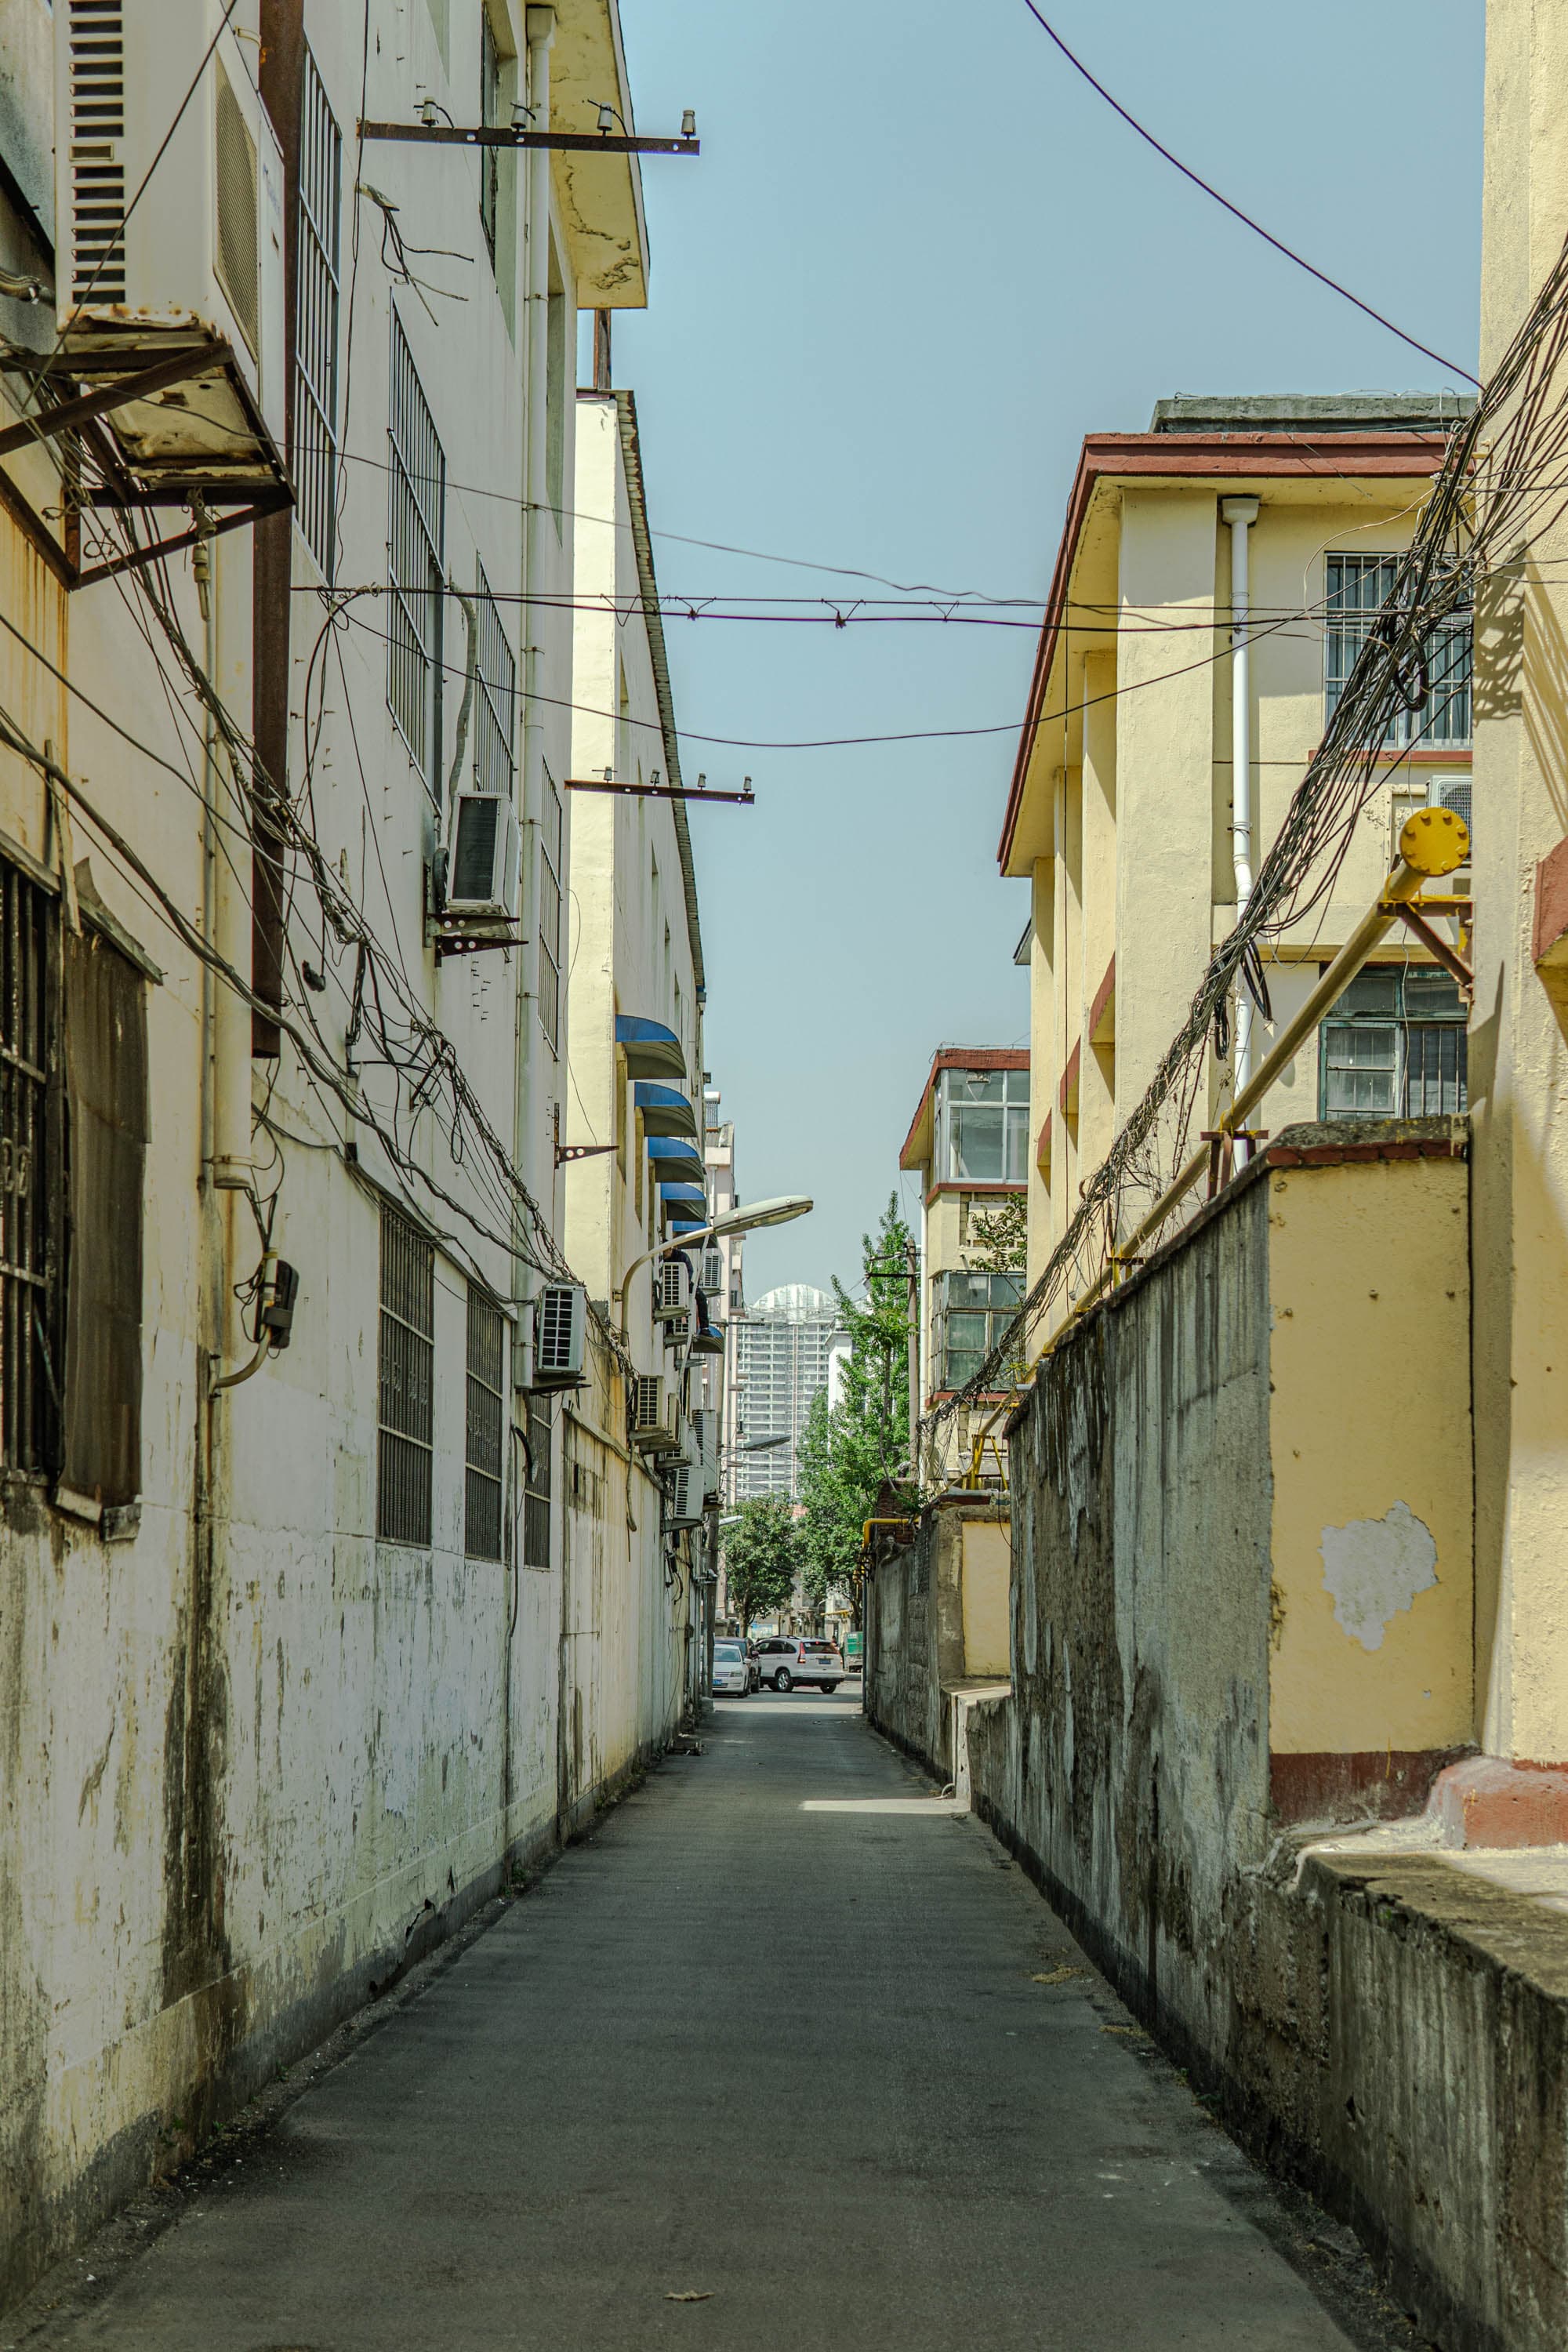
{"x":729,"y":1221}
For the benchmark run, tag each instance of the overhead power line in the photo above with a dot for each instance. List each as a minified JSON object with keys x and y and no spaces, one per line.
{"x":1235,"y":212}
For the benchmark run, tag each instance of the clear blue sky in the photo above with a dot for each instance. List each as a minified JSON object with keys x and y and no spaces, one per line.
{"x":918,"y":260}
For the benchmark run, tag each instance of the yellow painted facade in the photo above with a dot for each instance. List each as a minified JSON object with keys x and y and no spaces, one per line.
{"x":1122,"y":809}
{"x":1520,"y":1229}
{"x":1369,"y":1408}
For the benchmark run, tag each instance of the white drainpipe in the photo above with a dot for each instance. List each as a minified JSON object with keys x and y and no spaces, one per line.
{"x":1240,"y":514}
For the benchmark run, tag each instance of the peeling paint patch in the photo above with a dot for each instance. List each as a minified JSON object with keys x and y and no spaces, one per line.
{"x":1375,"y":1568}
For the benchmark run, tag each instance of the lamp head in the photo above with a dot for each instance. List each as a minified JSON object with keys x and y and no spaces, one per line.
{"x":762,"y":1213}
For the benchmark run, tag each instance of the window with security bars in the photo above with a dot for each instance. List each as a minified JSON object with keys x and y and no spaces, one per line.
{"x":550,"y":913}
{"x":317,"y":296}
{"x":490,"y":114}
{"x":495,"y":708}
{"x":536,"y":1496}
{"x":30,"y":1217}
{"x":416,"y":524}
{"x":483,"y":1497}
{"x":1395,"y":1046}
{"x":404,"y":1459}
{"x":1357,"y":587}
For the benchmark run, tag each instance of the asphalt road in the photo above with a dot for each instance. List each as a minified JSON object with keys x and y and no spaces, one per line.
{"x":774,"y":2037}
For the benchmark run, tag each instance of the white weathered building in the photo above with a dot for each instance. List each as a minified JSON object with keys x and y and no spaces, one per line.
{"x":287,"y":1678}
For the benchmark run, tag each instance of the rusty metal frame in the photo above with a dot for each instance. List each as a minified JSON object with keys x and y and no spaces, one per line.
{"x":84,"y":415}
{"x":655,"y":791}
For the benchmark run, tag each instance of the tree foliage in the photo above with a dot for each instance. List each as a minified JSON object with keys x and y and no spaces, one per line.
{"x":762,"y":1559}
{"x":845,"y":1456}
{"x":999,"y":1238}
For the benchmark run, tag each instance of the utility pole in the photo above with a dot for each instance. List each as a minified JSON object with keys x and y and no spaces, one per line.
{"x":912,"y":1267}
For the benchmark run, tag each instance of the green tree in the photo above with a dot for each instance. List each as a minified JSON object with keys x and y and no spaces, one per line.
{"x":762,"y":1559}
{"x":845,"y":1457}
{"x":999,"y":1238}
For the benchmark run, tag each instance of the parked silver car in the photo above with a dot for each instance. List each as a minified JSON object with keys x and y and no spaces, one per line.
{"x":788,"y":1660}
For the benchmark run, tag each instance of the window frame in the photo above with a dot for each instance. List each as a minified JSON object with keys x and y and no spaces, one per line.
{"x":495,"y":675}
{"x":551,"y":833}
{"x":32,"y":1265}
{"x":318,"y":301}
{"x":1405,"y":1019}
{"x":416,"y":522}
{"x":405,"y":1361}
{"x":538,"y":1496}
{"x":484,"y":1515}
{"x":997,"y":1311}
{"x":1449,"y":650}
{"x":1012,"y":1103}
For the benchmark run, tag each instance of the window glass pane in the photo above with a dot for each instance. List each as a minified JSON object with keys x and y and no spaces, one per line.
{"x":1017,"y":1144}
{"x":977,"y":1143}
{"x":1359,"y":1069}
{"x":1431,"y":994}
{"x":1375,"y":990}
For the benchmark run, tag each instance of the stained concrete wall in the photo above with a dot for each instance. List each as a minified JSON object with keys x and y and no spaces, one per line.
{"x":1242,"y":1601}
{"x":934,"y":1612}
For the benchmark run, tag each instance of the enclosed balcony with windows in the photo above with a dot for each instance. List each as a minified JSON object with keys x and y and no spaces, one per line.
{"x":1395,"y":1046}
{"x":981,"y":1127}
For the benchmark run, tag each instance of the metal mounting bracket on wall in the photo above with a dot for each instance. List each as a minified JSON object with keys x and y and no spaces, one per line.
{"x":581,"y":142}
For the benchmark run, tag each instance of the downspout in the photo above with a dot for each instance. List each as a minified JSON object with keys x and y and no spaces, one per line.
{"x":1240,"y":514}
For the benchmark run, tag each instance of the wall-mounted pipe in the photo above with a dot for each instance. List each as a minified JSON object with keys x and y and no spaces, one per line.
{"x":1241,"y":513}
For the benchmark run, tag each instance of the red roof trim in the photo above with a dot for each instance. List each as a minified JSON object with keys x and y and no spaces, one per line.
{"x":1216,"y":457}
{"x":963,"y":1057}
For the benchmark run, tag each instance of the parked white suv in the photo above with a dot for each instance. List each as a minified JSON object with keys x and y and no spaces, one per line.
{"x":785,"y":1660}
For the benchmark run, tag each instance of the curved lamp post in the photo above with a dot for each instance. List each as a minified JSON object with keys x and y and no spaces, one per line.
{"x":732,"y":1221}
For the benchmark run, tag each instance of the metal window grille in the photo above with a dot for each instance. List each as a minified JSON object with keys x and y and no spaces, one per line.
{"x":1397,"y":1048}
{"x":495,"y":675}
{"x":536,"y":1498}
{"x":1357,"y":588}
{"x":30,"y":1403}
{"x":416,"y":544}
{"x":483,"y":1497}
{"x":550,"y":912}
{"x":318,"y":294}
{"x":489,"y":112}
{"x":405,"y":1434}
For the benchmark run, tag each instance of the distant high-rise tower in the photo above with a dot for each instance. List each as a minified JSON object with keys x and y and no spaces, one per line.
{"x":782,"y":1347}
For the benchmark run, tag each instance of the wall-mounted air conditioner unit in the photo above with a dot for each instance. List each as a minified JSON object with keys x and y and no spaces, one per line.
{"x":656,"y":1414}
{"x":712,"y":1280}
{"x":201,"y":257}
{"x":481,"y":879}
{"x":560,"y":1336}
{"x":683,"y":1497}
{"x":672,"y":1290}
{"x":1454,"y":793}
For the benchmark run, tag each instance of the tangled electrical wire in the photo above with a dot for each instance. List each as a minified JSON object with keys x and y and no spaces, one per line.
{"x":1501,"y":486}
{"x":386,"y":1024}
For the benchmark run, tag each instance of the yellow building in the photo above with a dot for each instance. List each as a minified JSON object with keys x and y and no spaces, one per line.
{"x":968,"y":1143}
{"x":1268,"y":525}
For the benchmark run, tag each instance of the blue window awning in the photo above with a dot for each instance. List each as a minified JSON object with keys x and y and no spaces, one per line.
{"x":664,"y":1110}
{"x":684,"y":1192}
{"x":675,"y":1156}
{"x":652,"y":1051}
{"x":685,"y":1228}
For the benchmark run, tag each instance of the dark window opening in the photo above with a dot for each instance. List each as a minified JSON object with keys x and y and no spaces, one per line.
{"x":406,"y":1405}
{"x":482,"y":1499}
{"x":1395,"y":1046}
{"x":536,"y":1499}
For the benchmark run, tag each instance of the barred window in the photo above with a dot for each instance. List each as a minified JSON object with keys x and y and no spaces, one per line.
{"x":407,"y":1429}
{"x":1396,"y":1046}
{"x":416,"y":524}
{"x":550,"y":913}
{"x":490,"y":114}
{"x":29,"y":1208}
{"x":1358,"y":586}
{"x":317,"y":293}
{"x":536,"y":1504}
{"x":496,"y":708}
{"x":482,"y":1499}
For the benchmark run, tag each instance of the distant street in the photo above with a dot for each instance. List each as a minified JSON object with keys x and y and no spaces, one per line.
{"x":794,"y":2061}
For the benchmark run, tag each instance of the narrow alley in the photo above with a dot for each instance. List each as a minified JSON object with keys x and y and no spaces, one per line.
{"x":785,"y":2053}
